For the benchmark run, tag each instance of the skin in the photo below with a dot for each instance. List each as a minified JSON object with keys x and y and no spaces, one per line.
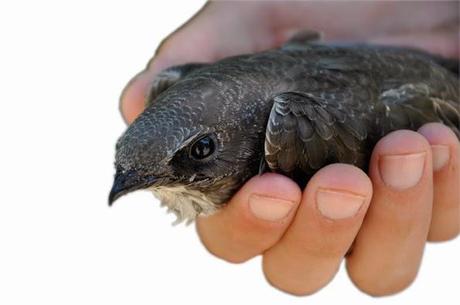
{"x":303,"y":250}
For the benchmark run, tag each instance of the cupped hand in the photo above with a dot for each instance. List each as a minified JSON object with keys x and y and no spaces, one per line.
{"x":380,"y":221}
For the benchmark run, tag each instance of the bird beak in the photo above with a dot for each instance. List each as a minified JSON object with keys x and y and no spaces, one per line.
{"x":126,"y":182}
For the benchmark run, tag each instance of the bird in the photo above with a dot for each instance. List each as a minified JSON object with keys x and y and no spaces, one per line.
{"x":209,"y":127}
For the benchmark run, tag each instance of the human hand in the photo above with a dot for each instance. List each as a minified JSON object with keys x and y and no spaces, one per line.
{"x":303,"y":237}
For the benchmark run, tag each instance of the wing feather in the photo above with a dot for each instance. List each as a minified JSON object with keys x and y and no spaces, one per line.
{"x":412,"y":105}
{"x":306,"y":132}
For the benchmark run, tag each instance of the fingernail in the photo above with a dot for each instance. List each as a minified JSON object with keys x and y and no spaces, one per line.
{"x":441,"y":155}
{"x":269,"y":208}
{"x":402,"y":171}
{"x":337,"y":205}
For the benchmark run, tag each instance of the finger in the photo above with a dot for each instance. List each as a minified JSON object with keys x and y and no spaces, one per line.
{"x":214,"y":33}
{"x":331,"y":212}
{"x":254,"y":219}
{"x":170,"y":53}
{"x":200,"y":40}
{"x":437,"y":42}
{"x":445,"y":147}
{"x":388,"y":249}
{"x":173,"y":50}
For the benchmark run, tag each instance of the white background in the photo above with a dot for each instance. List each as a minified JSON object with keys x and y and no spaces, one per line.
{"x":62,"y":67}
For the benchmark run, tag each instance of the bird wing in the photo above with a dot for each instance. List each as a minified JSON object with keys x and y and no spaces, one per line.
{"x":169,"y":77}
{"x":412,"y":105}
{"x":305,"y":131}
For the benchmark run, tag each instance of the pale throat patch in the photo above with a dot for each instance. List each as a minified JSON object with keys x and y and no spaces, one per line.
{"x":185,"y":203}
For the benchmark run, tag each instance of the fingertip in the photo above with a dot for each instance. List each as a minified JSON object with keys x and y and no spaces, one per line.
{"x":271,"y":184}
{"x":444,"y":144}
{"x":266,"y":198}
{"x":253,"y":220}
{"x":400,"y":161}
{"x":401,"y":142}
{"x":438,"y":133}
{"x":342,"y":177}
{"x":445,"y":221}
{"x":340,"y":191}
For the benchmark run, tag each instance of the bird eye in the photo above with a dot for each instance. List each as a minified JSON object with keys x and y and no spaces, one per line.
{"x":202,"y":148}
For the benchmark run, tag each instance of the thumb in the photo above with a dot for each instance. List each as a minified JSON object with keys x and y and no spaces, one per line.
{"x":200,"y":40}
{"x":178,"y":48}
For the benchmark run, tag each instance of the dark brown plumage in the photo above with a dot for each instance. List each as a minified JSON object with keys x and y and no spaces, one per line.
{"x":208,"y":128}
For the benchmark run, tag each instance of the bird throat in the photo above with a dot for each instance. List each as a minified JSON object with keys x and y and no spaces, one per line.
{"x":184,"y":202}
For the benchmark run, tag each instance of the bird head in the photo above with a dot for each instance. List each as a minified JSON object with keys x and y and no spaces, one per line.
{"x":193,"y":147}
